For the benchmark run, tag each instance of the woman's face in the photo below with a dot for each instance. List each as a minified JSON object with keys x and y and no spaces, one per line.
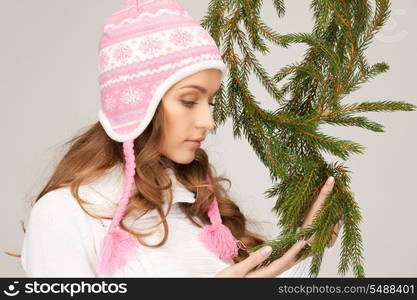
{"x":188,"y":114}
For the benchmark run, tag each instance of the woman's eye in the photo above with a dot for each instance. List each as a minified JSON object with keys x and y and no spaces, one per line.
{"x":188,"y":103}
{"x":191,"y":103}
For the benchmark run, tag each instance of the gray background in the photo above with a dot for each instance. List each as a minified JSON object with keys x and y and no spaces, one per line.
{"x":49,"y":92}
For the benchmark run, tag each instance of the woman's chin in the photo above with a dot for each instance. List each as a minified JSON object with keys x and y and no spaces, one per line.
{"x":184,"y":159}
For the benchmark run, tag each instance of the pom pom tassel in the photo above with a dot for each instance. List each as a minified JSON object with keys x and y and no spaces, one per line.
{"x":217,"y":237}
{"x":219,"y":240}
{"x":117,"y":248}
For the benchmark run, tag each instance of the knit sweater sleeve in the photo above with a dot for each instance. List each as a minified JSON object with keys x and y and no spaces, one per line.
{"x":58,"y":240}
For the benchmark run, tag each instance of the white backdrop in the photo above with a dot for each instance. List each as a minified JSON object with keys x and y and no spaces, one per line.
{"x":49,"y":91}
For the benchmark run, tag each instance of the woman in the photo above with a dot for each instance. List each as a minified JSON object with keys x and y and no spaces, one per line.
{"x":141,"y":166}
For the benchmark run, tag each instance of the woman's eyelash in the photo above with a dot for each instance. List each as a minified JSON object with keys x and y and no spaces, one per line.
{"x":188,"y":103}
{"x":191,"y":103}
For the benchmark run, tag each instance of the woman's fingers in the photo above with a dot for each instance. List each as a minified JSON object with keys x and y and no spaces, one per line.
{"x":334,"y":233}
{"x":324,"y":193}
{"x":254,"y":259}
{"x":280,"y":265}
{"x":242,"y":268}
{"x":315,"y":208}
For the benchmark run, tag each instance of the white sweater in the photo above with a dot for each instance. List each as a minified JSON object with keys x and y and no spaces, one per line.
{"x":61,"y":240}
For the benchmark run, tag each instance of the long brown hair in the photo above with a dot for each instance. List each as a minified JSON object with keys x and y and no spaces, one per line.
{"x":93,"y":152}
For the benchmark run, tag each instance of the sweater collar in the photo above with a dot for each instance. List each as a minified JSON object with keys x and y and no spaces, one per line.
{"x":179,"y":192}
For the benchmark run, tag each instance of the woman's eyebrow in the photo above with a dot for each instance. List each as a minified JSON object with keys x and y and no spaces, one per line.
{"x":200,"y":88}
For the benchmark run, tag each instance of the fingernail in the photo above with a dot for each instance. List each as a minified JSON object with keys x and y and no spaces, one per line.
{"x":330,"y":181}
{"x":266,"y":250}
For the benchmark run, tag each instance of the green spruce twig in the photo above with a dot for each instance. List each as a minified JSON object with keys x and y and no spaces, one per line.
{"x":288,"y":140}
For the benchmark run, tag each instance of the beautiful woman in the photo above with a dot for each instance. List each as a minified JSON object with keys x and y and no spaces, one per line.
{"x":135,"y":195}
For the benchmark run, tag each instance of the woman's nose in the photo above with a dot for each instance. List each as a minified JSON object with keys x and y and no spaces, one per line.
{"x":205,"y":118}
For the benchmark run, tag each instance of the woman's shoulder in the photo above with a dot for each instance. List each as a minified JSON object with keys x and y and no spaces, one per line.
{"x":58,"y":239}
{"x":55,"y":200}
{"x":57,"y":204}
{"x":99,"y":195}
{"x":62,"y":202}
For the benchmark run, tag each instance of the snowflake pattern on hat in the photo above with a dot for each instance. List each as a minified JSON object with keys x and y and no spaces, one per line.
{"x":151,"y":45}
{"x":122,"y":53}
{"x":132,"y":96}
{"x":181,"y":37}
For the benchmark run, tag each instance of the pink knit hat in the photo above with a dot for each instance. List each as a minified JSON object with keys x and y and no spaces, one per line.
{"x":146,"y":47}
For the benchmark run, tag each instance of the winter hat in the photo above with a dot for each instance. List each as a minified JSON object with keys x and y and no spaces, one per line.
{"x":146,"y":47}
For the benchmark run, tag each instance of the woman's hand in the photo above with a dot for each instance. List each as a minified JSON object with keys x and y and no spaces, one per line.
{"x":324,"y":193}
{"x":245,"y":268}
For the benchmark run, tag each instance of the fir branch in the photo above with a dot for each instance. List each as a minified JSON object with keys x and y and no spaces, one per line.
{"x":347,"y":120}
{"x":301,"y":191}
{"x":279,"y":7}
{"x":315,"y":42}
{"x":379,"y":106}
{"x":335,"y":146}
{"x":321,"y":13}
{"x":220,"y":110}
{"x":214,"y":17}
{"x":251,"y":19}
{"x":287,"y":140}
{"x":382,"y":14}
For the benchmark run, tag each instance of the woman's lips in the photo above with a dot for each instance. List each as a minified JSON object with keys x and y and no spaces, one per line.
{"x":194,"y":143}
